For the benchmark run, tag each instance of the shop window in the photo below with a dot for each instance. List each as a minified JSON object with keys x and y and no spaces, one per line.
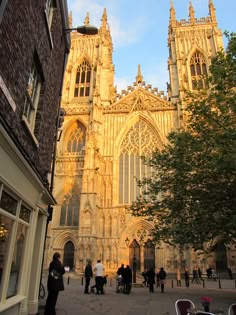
{"x":14,"y":223}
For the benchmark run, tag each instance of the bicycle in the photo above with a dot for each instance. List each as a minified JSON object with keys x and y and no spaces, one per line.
{"x":41,"y":291}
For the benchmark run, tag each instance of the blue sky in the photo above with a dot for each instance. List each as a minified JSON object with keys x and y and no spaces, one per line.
{"x":139,"y":31}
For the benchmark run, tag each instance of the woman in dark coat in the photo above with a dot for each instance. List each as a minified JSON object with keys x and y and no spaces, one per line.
{"x":55,"y":284}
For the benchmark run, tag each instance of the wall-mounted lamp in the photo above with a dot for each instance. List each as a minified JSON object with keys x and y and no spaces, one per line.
{"x":84,"y":29}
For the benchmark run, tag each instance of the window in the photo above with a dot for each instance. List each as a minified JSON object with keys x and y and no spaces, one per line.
{"x":77,"y":139}
{"x":50,"y":5}
{"x":32,"y":96}
{"x":70,"y":209}
{"x":2,"y":8}
{"x":14,"y":224}
{"x":82,"y":80}
{"x":198,"y":71}
{"x":139,"y":141}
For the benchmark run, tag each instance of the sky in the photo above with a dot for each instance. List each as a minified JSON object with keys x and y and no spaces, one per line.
{"x":139,"y":30}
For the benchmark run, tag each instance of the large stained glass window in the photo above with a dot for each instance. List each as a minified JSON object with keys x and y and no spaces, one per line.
{"x":198,"y":70}
{"x":139,"y":141}
{"x":77,"y":139}
{"x":82,"y":80}
{"x":70,"y":209}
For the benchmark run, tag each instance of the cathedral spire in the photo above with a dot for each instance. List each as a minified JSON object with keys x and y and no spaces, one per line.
{"x":172,"y":11}
{"x":104,"y":19}
{"x":212,"y":11}
{"x":191,"y":13}
{"x":86,"y":20}
{"x":139,"y":77}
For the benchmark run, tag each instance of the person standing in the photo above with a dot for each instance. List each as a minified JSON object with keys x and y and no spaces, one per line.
{"x":127,"y":280}
{"x":55,"y":284}
{"x":88,"y":274}
{"x":151,"y":279}
{"x":99,"y":271}
{"x":178,"y":278}
{"x":186,"y":277}
{"x":162,"y":275}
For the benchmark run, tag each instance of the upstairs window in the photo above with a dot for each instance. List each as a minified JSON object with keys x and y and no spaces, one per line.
{"x":198,"y":71}
{"x":50,"y":6}
{"x":32,"y":96}
{"x":82,"y":80}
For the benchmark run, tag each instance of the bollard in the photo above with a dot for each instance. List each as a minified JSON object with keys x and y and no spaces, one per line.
{"x":68,"y":280}
{"x":235,"y":284}
{"x":110,"y":282}
{"x":172,"y":283}
{"x":82,"y":280}
{"x":219,"y":284}
{"x":203,"y":283}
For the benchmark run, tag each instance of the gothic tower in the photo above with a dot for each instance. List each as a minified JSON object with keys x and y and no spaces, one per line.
{"x":103,"y":138}
{"x":192,"y":43}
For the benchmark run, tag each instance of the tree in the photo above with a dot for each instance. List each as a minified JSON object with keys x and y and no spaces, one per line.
{"x":191,"y":193}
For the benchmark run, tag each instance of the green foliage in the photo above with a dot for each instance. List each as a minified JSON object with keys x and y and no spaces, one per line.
{"x":191,"y":193}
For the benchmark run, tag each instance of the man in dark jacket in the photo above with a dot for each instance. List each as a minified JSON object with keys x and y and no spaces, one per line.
{"x":88,"y":274}
{"x":162,"y":275}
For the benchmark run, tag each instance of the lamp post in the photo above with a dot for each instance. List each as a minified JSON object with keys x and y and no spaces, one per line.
{"x":84,"y":29}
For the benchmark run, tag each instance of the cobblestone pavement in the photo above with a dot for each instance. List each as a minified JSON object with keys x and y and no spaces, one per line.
{"x":73,"y":301}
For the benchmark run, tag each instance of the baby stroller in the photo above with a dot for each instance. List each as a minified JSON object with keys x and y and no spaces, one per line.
{"x":119,"y":284}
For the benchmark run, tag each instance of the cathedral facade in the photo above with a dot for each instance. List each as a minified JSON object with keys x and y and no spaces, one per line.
{"x":103,"y":138}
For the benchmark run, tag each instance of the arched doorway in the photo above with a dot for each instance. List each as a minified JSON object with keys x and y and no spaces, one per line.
{"x":134,"y":252}
{"x":149,"y":255}
{"x":68,"y":259}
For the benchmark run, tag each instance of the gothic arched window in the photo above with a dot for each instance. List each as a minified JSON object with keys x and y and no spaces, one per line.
{"x":198,"y":71}
{"x":70,"y":209}
{"x":77,"y":139}
{"x":82,"y":80}
{"x":139,"y":141}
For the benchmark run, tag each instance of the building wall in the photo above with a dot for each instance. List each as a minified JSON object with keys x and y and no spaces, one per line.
{"x":105,"y":229}
{"x":27,"y":152}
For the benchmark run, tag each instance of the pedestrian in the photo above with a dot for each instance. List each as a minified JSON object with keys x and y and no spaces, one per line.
{"x":151,"y":279}
{"x":144,"y":274}
{"x":209,"y":272}
{"x":162,"y":275}
{"x":178,"y":278}
{"x":199,"y":273}
{"x":158,"y":278}
{"x":54,"y":284}
{"x":230,"y":273}
{"x":186,"y":277}
{"x":127,"y":280}
{"x":99,"y":278}
{"x":88,"y":274}
{"x":195,"y":276}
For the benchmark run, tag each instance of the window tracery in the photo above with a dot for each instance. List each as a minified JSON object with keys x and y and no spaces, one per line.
{"x":70,"y":209}
{"x":82,"y":80}
{"x":77,"y":139}
{"x":198,"y":71}
{"x":139,"y":141}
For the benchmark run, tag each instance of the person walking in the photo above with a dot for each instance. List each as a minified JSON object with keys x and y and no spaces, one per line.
{"x":178,"y":278}
{"x":186,"y":277}
{"x":151,"y":279}
{"x":88,"y":274}
{"x":99,"y":278}
{"x":55,"y":284}
{"x":162,"y":275}
{"x":127,"y":280}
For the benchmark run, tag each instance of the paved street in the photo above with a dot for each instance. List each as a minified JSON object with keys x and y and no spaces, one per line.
{"x":73,"y":301}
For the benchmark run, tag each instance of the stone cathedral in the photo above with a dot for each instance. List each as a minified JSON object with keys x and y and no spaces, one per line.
{"x":105,"y":134}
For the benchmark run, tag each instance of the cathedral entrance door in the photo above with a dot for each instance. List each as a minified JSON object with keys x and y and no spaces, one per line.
{"x":134,"y":255}
{"x":69,"y":250}
{"x":149,"y":255}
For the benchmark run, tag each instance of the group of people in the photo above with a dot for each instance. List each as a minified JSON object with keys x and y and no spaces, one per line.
{"x":124,"y":279}
{"x":149,"y":279}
